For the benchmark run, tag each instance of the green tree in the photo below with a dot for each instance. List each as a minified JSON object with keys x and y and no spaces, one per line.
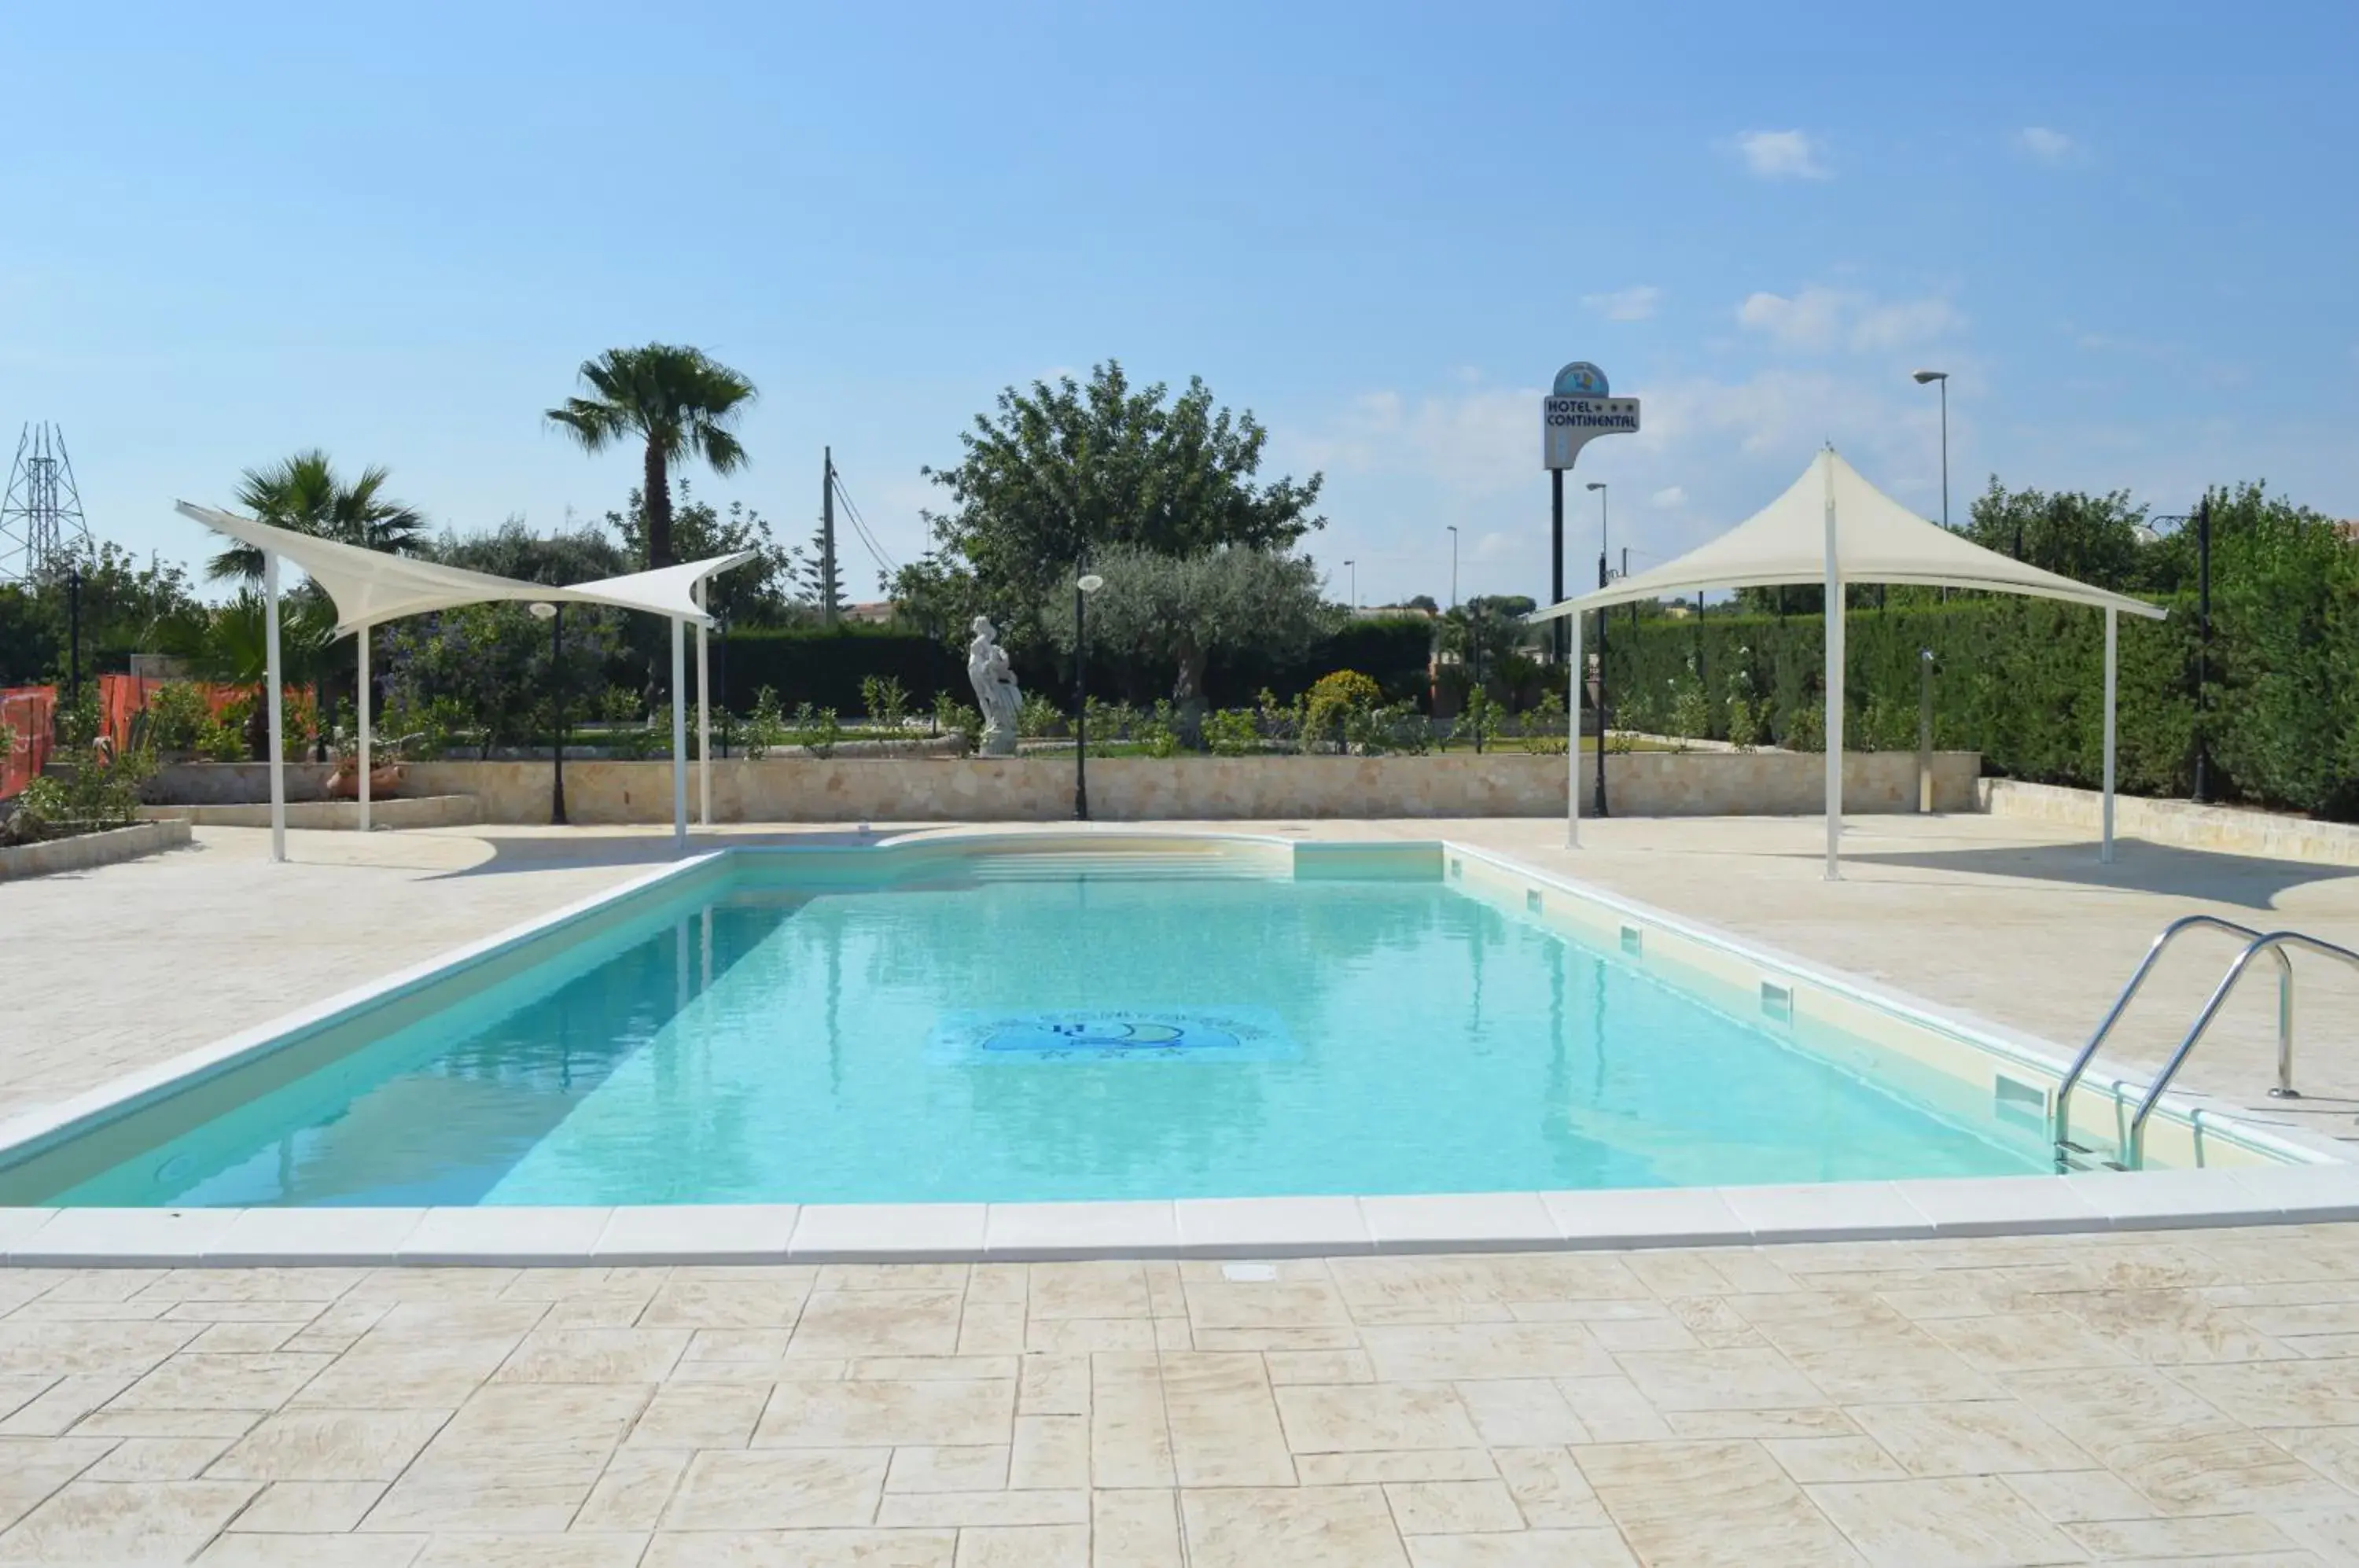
{"x":1484,"y":633}
{"x":230,"y":644}
{"x":303,"y":494}
{"x":677,"y":402}
{"x":1175,"y":610}
{"x":494,"y":660}
{"x":2097,"y":540}
{"x":126,"y":608}
{"x":1063,"y":473}
{"x":761,"y":593}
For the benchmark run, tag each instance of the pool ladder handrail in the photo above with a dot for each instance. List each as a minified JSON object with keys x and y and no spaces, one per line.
{"x":2274,"y":944}
{"x":2062,"y":1120}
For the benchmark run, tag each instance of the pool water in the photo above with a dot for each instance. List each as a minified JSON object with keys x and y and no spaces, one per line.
{"x":1058,"y":1037}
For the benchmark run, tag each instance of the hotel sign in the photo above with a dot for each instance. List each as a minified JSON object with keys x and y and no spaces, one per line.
{"x":1579,"y":409}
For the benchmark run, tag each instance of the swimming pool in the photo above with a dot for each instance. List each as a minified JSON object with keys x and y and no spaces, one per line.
{"x":1011,"y":1022}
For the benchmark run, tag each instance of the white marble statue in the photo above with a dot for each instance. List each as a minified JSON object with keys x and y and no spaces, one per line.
{"x":995,"y":690}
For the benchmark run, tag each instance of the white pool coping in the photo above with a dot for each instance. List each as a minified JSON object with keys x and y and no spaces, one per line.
{"x":2325,"y":1189}
{"x":1189,"y":1227}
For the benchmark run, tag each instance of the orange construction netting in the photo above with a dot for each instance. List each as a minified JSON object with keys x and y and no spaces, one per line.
{"x":29,"y":714}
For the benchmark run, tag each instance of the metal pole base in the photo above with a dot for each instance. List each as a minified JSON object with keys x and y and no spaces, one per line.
{"x":2285,"y":1094}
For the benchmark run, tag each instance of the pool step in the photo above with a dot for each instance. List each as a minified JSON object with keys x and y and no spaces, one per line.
{"x":1180,"y":864}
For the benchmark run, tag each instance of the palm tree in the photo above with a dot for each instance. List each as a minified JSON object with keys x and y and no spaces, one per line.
{"x":676,"y":400}
{"x":304,"y":495}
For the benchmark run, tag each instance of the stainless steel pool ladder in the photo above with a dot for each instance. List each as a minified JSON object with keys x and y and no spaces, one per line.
{"x":2258,"y":941}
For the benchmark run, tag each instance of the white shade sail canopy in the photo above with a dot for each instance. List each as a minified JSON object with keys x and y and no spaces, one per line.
{"x":369,"y":587}
{"x":1833,"y":528}
{"x":1877,"y":539}
{"x":666,"y":590}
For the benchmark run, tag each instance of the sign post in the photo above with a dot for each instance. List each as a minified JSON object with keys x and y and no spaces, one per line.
{"x":1578,"y":409}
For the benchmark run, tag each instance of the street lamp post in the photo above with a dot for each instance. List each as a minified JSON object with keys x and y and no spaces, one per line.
{"x":1082,"y":588}
{"x":554,"y":615}
{"x":2202,"y":518}
{"x":1453,"y":564}
{"x":1353,"y":568}
{"x":1597,"y":806}
{"x":74,"y":638}
{"x":1942,"y":376}
{"x":2203,"y":649}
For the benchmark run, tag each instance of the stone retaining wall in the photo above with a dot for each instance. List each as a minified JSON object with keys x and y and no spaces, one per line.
{"x":232,"y":783}
{"x":1130,"y":789}
{"x":84,"y":851}
{"x":2233,"y":830}
{"x":407,"y":810}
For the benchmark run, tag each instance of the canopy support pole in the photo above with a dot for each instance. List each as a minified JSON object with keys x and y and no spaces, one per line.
{"x":277,"y":702}
{"x":1834,"y":682}
{"x":703,"y":723}
{"x":361,"y":705}
{"x":1573,"y":684}
{"x":2113,"y":623}
{"x":679,"y":736}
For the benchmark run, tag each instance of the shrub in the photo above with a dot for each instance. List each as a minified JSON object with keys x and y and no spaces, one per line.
{"x":1394,"y":727}
{"x":1333,"y":700}
{"x":1749,"y":715}
{"x":1231,"y":732}
{"x":177,"y":716}
{"x":885,"y":699}
{"x":1479,"y":720}
{"x":1545,"y":730}
{"x":95,"y":792}
{"x":1688,"y":710}
{"x":1037,"y":716}
{"x":816,"y":730}
{"x":1806,"y":728}
{"x":766,"y":727}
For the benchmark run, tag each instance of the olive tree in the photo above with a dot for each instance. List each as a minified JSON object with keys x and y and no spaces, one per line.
{"x":1175,"y":610}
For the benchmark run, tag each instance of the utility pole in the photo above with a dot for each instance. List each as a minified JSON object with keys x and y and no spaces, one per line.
{"x":827,"y":606}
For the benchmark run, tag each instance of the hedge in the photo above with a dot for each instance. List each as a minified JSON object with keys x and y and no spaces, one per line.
{"x":825,"y":668}
{"x":2021,"y":681}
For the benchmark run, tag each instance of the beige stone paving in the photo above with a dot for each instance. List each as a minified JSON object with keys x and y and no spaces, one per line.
{"x":2188,"y":1397}
{"x":2197,"y":1398}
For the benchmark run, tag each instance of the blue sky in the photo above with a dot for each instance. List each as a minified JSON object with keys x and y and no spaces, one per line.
{"x":236,"y":231}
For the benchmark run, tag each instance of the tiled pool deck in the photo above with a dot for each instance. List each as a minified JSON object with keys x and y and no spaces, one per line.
{"x":2192,"y":1395}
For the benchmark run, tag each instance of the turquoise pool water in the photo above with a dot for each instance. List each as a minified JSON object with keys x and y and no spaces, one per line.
{"x":1056,"y":1037}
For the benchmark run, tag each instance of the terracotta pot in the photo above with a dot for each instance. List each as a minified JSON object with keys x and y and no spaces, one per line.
{"x":343,"y":784}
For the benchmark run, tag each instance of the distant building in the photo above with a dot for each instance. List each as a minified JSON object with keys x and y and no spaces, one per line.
{"x":876,"y":612}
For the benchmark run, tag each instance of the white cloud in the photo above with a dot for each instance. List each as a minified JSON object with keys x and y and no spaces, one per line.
{"x":1474,"y":440}
{"x":1635,"y":303}
{"x":1669,"y":497}
{"x":2047,"y":146}
{"x":1819,"y":319}
{"x":1904,"y":321}
{"x":1810,"y":318}
{"x":1784,"y":155}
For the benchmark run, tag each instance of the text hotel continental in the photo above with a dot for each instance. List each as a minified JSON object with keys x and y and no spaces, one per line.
{"x":1593,"y":413}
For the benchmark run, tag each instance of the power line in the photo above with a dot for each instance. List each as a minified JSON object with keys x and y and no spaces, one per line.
{"x":860,"y":527}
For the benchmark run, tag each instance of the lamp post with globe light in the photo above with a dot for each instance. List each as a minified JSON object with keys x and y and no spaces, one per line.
{"x":1598,"y":799}
{"x":1082,"y":588}
{"x":554,"y":615}
{"x":1942,"y":376}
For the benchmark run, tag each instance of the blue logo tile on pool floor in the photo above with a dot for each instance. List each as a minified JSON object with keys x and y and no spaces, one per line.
{"x":1111,"y":1034}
